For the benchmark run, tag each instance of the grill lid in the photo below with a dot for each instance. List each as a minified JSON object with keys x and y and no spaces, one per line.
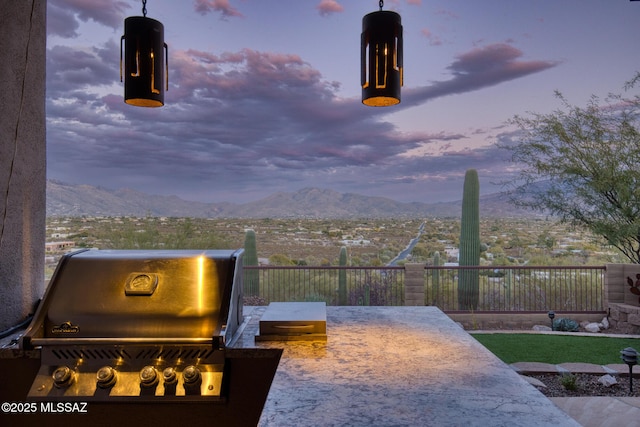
{"x":154,"y":295}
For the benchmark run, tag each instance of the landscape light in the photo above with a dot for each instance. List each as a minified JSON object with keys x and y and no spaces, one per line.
{"x":381,"y":73}
{"x":551,"y":315}
{"x":630,"y":356}
{"x":144,"y":69}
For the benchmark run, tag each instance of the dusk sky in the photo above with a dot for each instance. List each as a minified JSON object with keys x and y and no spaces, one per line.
{"x":264,"y":96}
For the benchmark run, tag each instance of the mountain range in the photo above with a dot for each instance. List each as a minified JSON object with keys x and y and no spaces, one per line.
{"x":84,"y":200}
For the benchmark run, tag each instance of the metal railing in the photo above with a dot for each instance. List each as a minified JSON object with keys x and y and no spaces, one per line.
{"x":500,"y":289}
{"x":365,"y":285}
{"x":522,"y":289}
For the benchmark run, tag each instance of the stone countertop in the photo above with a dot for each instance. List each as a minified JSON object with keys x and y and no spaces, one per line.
{"x":396,"y":366}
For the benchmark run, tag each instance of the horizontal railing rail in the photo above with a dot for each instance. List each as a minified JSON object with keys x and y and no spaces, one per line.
{"x":500,"y":288}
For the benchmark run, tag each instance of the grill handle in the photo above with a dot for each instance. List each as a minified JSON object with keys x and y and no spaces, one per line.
{"x":117,"y":341}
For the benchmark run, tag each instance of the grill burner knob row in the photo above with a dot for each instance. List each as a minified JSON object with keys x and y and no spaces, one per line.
{"x":169,"y":376}
{"x":191,"y":375}
{"x":106,"y":377}
{"x":63,"y":377}
{"x":149,"y":377}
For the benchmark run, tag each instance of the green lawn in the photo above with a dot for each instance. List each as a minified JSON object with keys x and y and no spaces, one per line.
{"x":556,"y":349}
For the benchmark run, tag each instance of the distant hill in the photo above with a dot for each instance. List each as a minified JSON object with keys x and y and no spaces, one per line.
{"x":78,"y":200}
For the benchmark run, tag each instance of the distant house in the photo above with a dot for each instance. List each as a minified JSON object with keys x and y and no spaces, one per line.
{"x":356,"y":242}
{"x":51,"y":247}
{"x":452,"y":252}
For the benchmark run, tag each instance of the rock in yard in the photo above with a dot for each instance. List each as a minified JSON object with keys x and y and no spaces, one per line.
{"x":605,"y":323}
{"x":540,"y":328}
{"x":607,"y":380}
{"x":584,"y":323}
{"x":534,"y":381}
{"x":592,"y":327}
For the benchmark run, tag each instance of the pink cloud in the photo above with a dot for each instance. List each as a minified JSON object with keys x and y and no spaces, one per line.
{"x":487,"y":58}
{"x":433,"y":39}
{"x":476,"y":69}
{"x":327,"y":7}
{"x":247,"y":73}
{"x":222,"y":6}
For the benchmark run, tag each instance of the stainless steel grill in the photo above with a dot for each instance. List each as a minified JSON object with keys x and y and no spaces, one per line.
{"x":145,"y":325}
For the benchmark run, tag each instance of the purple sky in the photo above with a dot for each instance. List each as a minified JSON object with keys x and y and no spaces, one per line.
{"x":265,"y":96}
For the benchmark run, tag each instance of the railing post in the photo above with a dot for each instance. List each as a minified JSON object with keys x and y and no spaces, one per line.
{"x":414,"y":284}
{"x":615,"y":283}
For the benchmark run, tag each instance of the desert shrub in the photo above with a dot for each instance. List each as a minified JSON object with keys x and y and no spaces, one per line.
{"x":569,"y":382}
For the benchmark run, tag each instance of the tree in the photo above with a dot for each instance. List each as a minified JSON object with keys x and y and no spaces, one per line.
{"x":419,"y":252}
{"x":582,"y":164}
{"x":280,"y":259}
{"x":468,"y":280}
{"x":546,"y":240}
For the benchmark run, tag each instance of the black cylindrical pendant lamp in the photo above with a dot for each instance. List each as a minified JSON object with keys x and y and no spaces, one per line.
{"x":146,"y":63}
{"x":381,"y":58}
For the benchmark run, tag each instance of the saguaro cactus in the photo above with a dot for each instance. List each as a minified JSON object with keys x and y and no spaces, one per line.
{"x":251,"y":277}
{"x":342,"y":277}
{"x":468,"y":280}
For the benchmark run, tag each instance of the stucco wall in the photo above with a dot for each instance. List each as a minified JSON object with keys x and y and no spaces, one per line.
{"x":22,"y":157}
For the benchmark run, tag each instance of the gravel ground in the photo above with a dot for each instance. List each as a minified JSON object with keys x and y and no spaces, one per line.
{"x":587,"y":385}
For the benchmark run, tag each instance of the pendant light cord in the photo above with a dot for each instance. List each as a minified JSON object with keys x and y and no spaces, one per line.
{"x":144,"y":8}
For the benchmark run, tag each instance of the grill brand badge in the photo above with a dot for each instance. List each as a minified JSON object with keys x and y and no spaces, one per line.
{"x":65,"y":328}
{"x":141,"y":284}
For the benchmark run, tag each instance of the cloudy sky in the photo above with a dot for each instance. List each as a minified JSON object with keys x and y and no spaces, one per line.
{"x":264,"y":96}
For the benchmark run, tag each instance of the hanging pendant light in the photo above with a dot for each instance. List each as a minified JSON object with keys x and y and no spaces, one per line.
{"x":145,"y":72}
{"x":381,"y":58}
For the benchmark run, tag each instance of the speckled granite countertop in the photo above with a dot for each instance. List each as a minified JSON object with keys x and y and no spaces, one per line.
{"x":396,"y":366}
{"x":390,"y":366}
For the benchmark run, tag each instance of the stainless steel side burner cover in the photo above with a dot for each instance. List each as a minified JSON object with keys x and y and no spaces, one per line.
{"x":287,"y":321}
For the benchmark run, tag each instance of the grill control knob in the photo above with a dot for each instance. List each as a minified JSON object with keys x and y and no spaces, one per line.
{"x":106,"y":377}
{"x":191,"y":375}
{"x":169,"y":376}
{"x":63,"y":377}
{"x":149,"y":377}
